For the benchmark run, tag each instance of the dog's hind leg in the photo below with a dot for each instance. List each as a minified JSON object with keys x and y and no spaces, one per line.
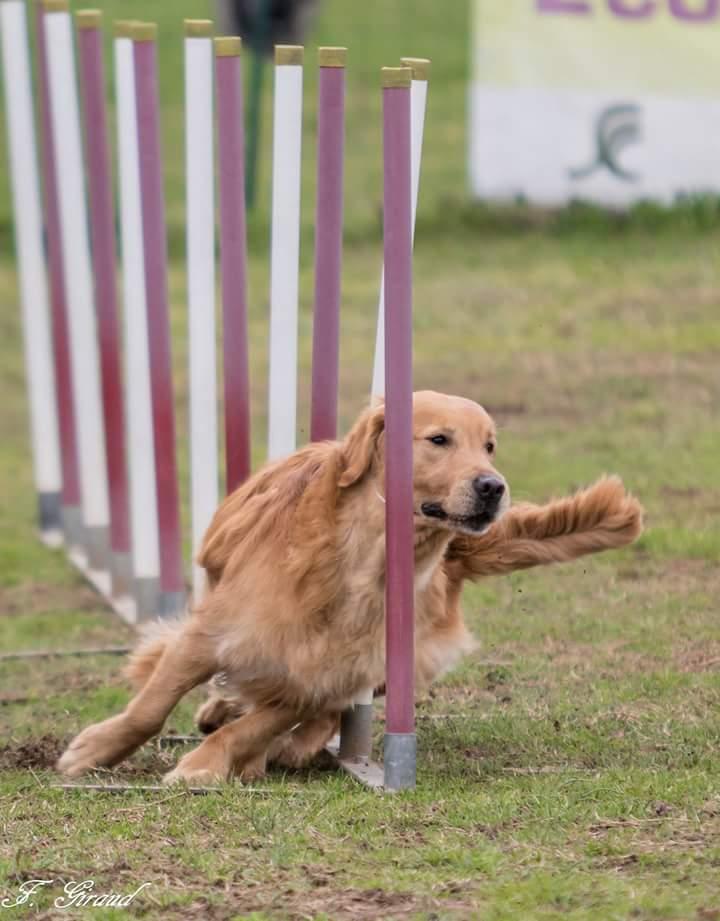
{"x":186,"y":662}
{"x":296,"y":748}
{"x":237,"y":749}
{"x":216,"y":711}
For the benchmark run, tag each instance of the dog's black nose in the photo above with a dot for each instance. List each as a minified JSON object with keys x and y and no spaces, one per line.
{"x":489,"y":488}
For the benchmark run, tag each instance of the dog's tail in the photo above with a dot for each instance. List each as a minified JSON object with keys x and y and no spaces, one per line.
{"x":602,"y":517}
{"x":155,"y":637}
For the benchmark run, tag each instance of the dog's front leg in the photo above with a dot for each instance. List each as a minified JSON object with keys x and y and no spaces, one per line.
{"x":187,"y":662}
{"x":237,"y":749}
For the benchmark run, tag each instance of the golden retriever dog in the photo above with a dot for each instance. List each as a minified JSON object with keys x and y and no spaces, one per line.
{"x":294,"y":612}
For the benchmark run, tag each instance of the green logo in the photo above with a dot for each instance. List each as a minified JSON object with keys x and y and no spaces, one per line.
{"x":616,"y":128}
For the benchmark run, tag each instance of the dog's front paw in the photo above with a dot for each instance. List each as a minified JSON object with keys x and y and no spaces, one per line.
{"x":195,"y":777}
{"x":101,"y":745}
{"x":201,"y":767}
{"x":205,"y":766}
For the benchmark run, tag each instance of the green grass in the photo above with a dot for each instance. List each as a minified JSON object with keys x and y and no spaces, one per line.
{"x":569,"y":768}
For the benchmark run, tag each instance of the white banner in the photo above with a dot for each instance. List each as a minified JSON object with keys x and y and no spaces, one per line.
{"x":609,"y":101}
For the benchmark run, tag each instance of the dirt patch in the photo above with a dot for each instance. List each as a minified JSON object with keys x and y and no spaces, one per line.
{"x":323,"y":900}
{"x":697,"y":657}
{"x":42,"y":753}
{"x":461,"y":696}
{"x":348,"y":903}
{"x":697,"y":570}
{"x":32,"y":754}
{"x":35,"y":597}
{"x":607,"y":659}
{"x":573,"y":655}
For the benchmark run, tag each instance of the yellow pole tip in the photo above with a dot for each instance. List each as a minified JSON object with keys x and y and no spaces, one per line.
{"x":144,"y":31}
{"x":289,"y":54}
{"x":123,"y":28}
{"x":88,"y":19}
{"x":332,"y":57}
{"x":228,"y":46}
{"x":396,"y":76}
{"x":198,"y":28}
{"x":420,"y":67}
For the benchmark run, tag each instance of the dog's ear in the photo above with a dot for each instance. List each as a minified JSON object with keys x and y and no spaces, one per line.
{"x":360,"y":444}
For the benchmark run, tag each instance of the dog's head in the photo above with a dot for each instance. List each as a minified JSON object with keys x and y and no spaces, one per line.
{"x":455,"y":485}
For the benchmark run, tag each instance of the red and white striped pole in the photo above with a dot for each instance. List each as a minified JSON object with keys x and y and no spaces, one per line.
{"x":418,"y":94}
{"x":102,"y":229}
{"x":400,"y":743}
{"x":71,"y":498}
{"x":172,"y":594}
{"x":233,"y":258}
{"x":328,"y":242}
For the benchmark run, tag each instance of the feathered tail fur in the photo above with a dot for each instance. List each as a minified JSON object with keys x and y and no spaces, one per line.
{"x":154,"y":637}
{"x":602,"y":517}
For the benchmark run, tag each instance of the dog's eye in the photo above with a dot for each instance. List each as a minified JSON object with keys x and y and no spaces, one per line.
{"x":439,"y":440}
{"x":490,"y":447}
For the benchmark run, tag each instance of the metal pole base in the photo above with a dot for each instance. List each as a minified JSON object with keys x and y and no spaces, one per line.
{"x":146,"y":592}
{"x":356,"y":732}
{"x":172,"y":604}
{"x":49,"y":512}
{"x":97,"y":546}
{"x":72,"y":526}
{"x":399,"y":760}
{"x":121,"y":573}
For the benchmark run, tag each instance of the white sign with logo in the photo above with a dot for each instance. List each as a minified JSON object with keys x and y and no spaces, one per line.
{"x":609,"y":101}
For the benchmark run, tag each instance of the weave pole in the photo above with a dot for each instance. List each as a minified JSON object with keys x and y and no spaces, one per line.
{"x":102,"y":228}
{"x":172,"y":595}
{"x":328,"y":242}
{"x":285,"y":250}
{"x":233,"y":259}
{"x":44,"y":432}
{"x":141,"y":450}
{"x":421,"y":72}
{"x":356,"y":726}
{"x":200,"y":223}
{"x":400,"y":743}
{"x":71,"y":499}
{"x":85,"y":363}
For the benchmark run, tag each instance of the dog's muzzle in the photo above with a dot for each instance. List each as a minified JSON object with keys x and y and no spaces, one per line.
{"x":489,"y":492}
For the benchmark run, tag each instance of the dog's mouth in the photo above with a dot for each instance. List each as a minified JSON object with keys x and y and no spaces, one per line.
{"x":476,"y":523}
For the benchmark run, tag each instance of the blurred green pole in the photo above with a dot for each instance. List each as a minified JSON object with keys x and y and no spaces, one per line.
{"x":254,"y":107}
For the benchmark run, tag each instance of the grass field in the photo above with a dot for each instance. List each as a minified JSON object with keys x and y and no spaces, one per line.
{"x":569,"y":769}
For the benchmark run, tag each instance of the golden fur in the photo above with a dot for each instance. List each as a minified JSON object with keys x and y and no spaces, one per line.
{"x":294,"y":612}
